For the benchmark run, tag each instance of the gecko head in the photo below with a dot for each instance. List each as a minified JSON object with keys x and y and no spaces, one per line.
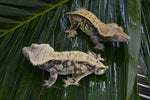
{"x":116,"y":33}
{"x":38,"y":53}
{"x":101,"y":70}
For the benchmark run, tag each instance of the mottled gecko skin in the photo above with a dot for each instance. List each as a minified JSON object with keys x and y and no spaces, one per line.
{"x":77,"y":63}
{"x":94,"y":28}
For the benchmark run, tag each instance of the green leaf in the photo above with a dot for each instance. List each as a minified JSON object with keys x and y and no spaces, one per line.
{"x":46,"y":23}
{"x":24,"y":3}
{"x":13,"y":11}
{"x":29,"y":19}
{"x":134,"y":29}
{"x":145,"y":48}
{"x":7,"y":21}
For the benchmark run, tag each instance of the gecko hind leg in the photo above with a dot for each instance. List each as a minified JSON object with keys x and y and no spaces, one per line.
{"x":52,"y":79}
{"x":97,"y":56}
{"x":96,"y":41}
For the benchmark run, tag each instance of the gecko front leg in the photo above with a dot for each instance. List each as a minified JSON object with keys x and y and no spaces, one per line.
{"x":52,"y":79}
{"x":74,"y":25}
{"x":79,"y":72}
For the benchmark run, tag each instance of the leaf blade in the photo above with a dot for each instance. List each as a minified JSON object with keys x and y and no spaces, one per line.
{"x":134,"y":30}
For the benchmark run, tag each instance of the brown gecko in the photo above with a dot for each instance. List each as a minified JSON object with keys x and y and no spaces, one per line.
{"x":94,"y":28}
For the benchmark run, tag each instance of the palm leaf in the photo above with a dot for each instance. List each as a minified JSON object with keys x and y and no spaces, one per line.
{"x":145,"y":45}
{"x":14,"y":12}
{"x":26,"y":22}
{"x":135,"y":17}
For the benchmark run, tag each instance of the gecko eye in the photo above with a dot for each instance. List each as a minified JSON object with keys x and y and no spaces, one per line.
{"x":116,"y":36}
{"x":34,"y":46}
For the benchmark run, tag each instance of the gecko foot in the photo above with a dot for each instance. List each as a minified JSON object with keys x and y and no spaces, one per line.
{"x":99,"y":47}
{"x":48,"y":83}
{"x":70,"y":81}
{"x":72,"y":33}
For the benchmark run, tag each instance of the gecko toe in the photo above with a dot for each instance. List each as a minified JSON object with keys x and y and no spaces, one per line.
{"x":49,"y":85}
{"x":45,"y":83}
{"x":65,"y":85}
{"x":64,"y":80}
{"x":77,"y":84}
